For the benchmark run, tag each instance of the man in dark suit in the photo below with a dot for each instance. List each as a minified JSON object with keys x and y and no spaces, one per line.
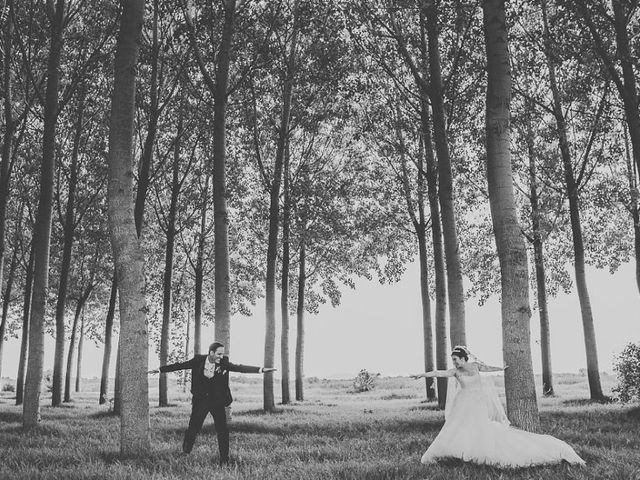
{"x":211,"y":393}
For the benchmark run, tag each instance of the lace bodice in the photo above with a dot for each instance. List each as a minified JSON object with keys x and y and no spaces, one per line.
{"x":469,"y":382}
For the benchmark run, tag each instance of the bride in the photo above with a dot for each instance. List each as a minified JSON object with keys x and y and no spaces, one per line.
{"x":477,"y":430}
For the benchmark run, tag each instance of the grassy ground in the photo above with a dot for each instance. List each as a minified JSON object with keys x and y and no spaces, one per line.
{"x":333,"y":435}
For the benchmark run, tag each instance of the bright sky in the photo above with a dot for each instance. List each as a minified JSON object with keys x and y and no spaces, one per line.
{"x":378,"y":327}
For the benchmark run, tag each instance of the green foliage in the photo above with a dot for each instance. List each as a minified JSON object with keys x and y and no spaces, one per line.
{"x":364,"y":381}
{"x":627,"y":368}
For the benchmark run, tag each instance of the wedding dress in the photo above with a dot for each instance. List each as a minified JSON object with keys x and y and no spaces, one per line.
{"x":477,"y":430}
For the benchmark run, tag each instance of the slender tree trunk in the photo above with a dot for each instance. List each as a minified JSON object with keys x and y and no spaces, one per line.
{"x":117,"y":384}
{"x":630,"y":93}
{"x":427,"y":328}
{"x":79,"y":363}
{"x":220,"y":213}
{"x":199,"y":271}
{"x":72,"y":346}
{"x":108,"y":337}
{"x":9,"y":131}
{"x":167,"y":297}
{"x":442,"y":350}
{"x":272,"y":247}
{"x":42,"y":229}
{"x":445,"y":190}
{"x":420,"y":229}
{"x":146,"y":158}
{"x":8,"y":290}
{"x":284,"y":302}
{"x":302,"y":279}
{"x":633,"y":206}
{"x":593,"y":371}
{"x":538,"y":250}
{"x":186,"y":348}
{"x":24,"y":343}
{"x":516,"y":312}
{"x":127,"y":251}
{"x":69,"y":228}
{"x":426,"y":313}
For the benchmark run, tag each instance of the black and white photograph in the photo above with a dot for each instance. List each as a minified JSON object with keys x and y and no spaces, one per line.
{"x":319,"y":239}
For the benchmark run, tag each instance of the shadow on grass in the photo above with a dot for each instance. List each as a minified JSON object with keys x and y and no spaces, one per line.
{"x":11,"y":417}
{"x":258,"y":412}
{"x":585,"y":402}
{"x":339,"y":430}
{"x":107,"y":414}
{"x":150,"y":459}
{"x":474,"y":470}
{"x":634,"y":413}
{"x":396,"y":396}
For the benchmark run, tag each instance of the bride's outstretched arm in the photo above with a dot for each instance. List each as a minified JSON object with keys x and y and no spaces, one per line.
{"x":436,"y":373}
{"x":488,"y":368}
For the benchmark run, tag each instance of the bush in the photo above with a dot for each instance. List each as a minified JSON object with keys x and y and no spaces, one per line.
{"x":8,"y":387}
{"x":364,"y":381}
{"x":627,"y":368}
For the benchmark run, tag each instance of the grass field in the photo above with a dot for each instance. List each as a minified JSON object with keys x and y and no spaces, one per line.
{"x":332,"y":435}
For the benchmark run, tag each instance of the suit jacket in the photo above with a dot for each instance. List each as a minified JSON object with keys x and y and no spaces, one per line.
{"x":215,"y":388}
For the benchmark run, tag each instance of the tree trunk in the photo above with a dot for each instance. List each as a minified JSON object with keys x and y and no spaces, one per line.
{"x":629,"y":94}
{"x":9,"y":130}
{"x":69,"y":228}
{"x":420,"y":229}
{"x":302,"y":279}
{"x":516,"y":312}
{"x":199,"y":271}
{"x":8,"y":290}
{"x":108,"y":336}
{"x":72,"y":346}
{"x":220,"y":213}
{"x":426,"y":312}
{"x":272,"y":247}
{"x":24,"y":343}
{"x":421,"y":232}
{"x":79,"y":363}
{"x":42,"y":229}
{"x":146,"y":158}
{"x":117,"y":384}
{"x":167,"y":296}
{"x":127,"y":251}
{"x":593,"y":371}
{"x":538,"y":249}
{"x":633,"y":207}
{"x":442,"y":348}
{"x":186,"y":348}
{"x":445,"y":190}
{"x":284,"y":299}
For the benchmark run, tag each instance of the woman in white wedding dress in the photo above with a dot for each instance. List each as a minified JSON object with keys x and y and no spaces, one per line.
{"x":477,"y":430}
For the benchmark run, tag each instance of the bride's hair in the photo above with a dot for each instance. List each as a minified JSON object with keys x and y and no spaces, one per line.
{"x":460,"y":351}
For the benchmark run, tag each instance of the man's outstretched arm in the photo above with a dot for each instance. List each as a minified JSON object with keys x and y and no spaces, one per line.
{"x":249,"y":369}
{"x":174,"y":367}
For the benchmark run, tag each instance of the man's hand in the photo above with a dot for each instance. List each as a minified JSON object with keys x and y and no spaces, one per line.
{"x":154,"y":371}
{"x":417,"y":376}
{"x":268,"y":369}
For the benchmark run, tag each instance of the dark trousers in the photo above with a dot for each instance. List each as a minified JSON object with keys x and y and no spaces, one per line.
{"x":200,"y":407}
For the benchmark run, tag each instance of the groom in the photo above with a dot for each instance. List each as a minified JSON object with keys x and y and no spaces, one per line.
{"x":211,"y":394}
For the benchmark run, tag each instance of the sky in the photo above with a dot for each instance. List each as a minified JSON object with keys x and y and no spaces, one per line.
{"x":379,"y":328}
